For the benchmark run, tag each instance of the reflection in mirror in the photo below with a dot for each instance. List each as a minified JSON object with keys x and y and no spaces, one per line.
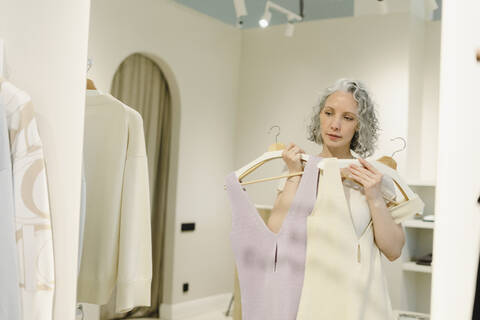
{"x":338,"y":218}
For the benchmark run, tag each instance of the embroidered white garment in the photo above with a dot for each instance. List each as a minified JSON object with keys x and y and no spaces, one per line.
{"x":32,"y":211}
{"x":9,"y":289}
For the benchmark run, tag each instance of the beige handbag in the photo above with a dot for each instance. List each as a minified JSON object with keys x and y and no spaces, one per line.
{"x":343,"y":276}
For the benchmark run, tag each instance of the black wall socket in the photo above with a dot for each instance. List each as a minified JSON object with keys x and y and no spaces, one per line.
{"x":188,"y":227}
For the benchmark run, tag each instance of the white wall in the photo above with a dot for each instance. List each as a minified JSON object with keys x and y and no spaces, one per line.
{"x":201,"y":59}
{"x":46,"y":54}
{"x":431,"y":83}
{"x":457,"y":235}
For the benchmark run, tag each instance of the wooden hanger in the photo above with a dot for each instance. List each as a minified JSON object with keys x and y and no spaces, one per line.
{"x":90,"y":85}
{"x":389,"y":161}
{"x":275,"y":151}
{"x":270,"y":155}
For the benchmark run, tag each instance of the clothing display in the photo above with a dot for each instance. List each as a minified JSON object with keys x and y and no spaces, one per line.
{"x":271,"y":265}
{"x":343,"y":277}
{"x":117,"y":245}
{"x":32,"y":210}
{"x":10,"y":291}
{"x":356,"y":200}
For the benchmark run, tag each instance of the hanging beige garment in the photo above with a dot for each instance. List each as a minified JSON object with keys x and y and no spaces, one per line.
{"x":343,"y":276}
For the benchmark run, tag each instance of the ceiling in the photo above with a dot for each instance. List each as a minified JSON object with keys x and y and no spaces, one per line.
{"x":224,"y":10}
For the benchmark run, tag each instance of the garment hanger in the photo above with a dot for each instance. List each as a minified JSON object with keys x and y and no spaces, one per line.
{"x":90,"y":84}
{"x":385,"y":164}
{"x":389,"y":161}
{"x":275,"y":151}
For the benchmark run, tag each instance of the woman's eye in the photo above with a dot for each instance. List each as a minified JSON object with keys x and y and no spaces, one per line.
{"x":349,"y":118}
{"x":328,"y":113}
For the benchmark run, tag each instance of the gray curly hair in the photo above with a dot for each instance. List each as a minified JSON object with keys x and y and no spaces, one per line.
{"x":365,"y":138}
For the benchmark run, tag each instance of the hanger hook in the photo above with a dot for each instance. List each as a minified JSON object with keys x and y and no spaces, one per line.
{"x":276,"y":136}
{"x":89,"y":64}
{"x":404,"y":145}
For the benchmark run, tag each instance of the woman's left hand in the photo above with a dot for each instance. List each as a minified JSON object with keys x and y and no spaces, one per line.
{"x":369,"y":177}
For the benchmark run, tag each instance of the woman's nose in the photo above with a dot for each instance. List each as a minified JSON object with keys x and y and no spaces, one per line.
{"x":335,"y":124}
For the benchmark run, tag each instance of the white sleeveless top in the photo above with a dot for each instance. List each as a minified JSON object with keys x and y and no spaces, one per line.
{"x":356,"y":199}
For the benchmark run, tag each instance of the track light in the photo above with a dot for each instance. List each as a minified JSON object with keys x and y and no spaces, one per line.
{"x":240,"y":11}
{"x":383,"y":5}
{"x":290,"y":29}
{"x":291,"y":17}
{"x":240,"y":8}
{"x":430,"y":7}
{"x":265,"y":20}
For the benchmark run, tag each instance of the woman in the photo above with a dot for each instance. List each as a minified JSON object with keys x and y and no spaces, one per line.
{"x":345,"y":121}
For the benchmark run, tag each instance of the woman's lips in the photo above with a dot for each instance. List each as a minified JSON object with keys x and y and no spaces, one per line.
{"x":334,"y":138}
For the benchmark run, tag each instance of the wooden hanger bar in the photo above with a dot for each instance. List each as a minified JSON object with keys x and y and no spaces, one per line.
{"x":273,"y":178}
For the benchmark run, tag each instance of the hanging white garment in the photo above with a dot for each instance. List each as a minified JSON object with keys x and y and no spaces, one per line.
{"x":9,"y":289}
{"x":117,"y":243}
{"x":343,"y":277}
{"x":32,"y":211}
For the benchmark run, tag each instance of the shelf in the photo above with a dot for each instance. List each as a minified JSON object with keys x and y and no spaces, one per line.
{"x":412,"y":266}
{"x":422,"y":183}
{"x":398,"y":313}
{"x":420,"y":224}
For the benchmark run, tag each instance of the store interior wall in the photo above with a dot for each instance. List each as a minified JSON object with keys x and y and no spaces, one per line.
{"x":46,"y":56}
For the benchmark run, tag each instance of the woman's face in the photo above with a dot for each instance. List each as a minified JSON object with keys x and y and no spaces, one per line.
{"x":338,"y":120}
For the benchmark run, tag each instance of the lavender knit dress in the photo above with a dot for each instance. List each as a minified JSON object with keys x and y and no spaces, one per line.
{"x":270,"y":265}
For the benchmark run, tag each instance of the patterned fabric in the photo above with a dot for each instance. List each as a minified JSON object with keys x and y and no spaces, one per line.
{"x":9,"y":291}
{"x":32,"y":211}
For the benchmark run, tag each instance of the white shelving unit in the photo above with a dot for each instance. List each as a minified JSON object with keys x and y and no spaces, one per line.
{"x":419,"y":224}
{"x":416,"y":279}
{"x":412,"y":266}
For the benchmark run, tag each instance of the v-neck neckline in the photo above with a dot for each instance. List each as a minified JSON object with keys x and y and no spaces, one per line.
{"x":293,"y":205}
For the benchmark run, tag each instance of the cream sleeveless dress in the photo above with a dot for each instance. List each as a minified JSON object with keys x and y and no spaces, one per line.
{"x":343,"y":276}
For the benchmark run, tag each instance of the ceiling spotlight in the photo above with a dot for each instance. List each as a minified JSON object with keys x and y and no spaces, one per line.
{"x":383,"y":6}
{"x":430,"y":7}
{"x":240,"y":8}
{"x":265,"y":20}
{"x":290,"y":29}
{"x":240,"y":11}
{"x":291,"y":17}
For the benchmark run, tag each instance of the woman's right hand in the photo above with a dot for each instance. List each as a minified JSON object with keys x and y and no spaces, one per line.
{"x":291,"y":156}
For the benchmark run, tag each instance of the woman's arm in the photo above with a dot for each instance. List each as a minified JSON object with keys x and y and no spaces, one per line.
{"x":291,"y":156}
{"x":282,"y":203}
{"x":389,"y":236}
